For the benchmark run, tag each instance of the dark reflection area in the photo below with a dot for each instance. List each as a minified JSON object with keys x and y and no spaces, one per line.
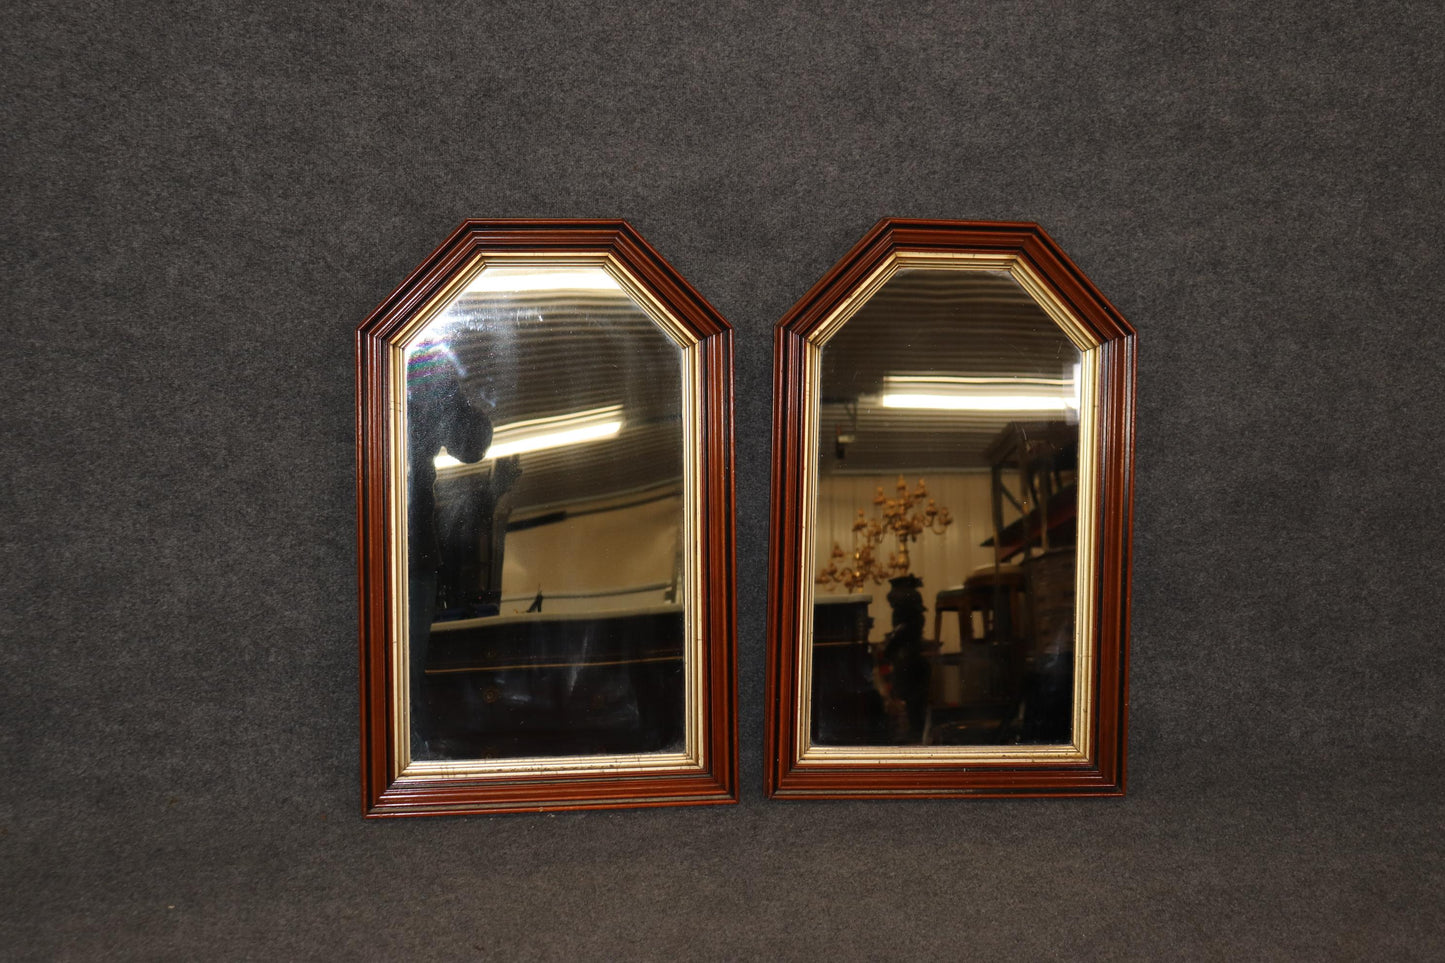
{"x":946,"y":519}
{"x":564,"y":685}
{"x":544,"y":421}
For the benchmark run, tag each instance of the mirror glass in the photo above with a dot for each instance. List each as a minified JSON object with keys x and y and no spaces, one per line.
{"x":946,"y":508}
{"x":545,"y":521}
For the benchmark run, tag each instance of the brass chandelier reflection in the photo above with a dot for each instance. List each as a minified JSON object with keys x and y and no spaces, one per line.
{"x":904,"y":518}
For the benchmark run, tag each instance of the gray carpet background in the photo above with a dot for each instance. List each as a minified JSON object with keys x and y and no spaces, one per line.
{"x":201,"y":203}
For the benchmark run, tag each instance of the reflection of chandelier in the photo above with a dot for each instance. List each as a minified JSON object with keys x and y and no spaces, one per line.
{"x":896,"y":517}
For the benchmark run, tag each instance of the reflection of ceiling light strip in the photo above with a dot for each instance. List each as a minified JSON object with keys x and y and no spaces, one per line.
{"x":954,"y":380}
{"x":977,"y":402}
{"x":500,"y":280}
{"x":979,"y":394}
{"x":556,"y":439}
{"x":542,"y":433}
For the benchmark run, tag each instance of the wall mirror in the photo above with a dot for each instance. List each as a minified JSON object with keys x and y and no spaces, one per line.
{"x":951,"y":509}
{"x":545,"y":498}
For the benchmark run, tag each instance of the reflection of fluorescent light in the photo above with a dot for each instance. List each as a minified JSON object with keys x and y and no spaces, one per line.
{"x":980,"y":394}
{"x":556,"y":439}
{"x":542,"y":433}
{"x":509,"y":280}
{"x":977,"y":402}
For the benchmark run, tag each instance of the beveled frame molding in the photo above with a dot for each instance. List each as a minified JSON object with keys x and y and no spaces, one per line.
{"x":1094,"y":763}
{"x":706,"y":771}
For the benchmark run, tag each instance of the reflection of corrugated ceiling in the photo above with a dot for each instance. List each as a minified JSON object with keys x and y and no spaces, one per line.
{"x":548,"y":353}
{"x":542,"y":354}
{"x":932,"y":323}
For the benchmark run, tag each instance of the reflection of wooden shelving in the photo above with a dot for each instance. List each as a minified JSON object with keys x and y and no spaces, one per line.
{"x":1034,"y":470}
{"x":1062,"y":513}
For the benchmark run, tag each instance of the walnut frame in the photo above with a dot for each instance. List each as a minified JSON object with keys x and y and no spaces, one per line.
{"x":1098,"y":769}
{"x":386,"y":790}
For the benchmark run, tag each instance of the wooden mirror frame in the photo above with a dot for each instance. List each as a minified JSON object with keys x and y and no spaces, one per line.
{"x":1094,"y":764}
{"x":708,"y":773}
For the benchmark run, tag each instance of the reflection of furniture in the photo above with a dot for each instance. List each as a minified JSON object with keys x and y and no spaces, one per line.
{"x":1051,"y":596}
{"x":1035,"y":470}
{"x":1048,"y":665}
{"x":543,"y":685}
{"x":987,"y":663}
{"x":996,"y":593}
{"x":847,"y":706}
{"x":1041,"y":460}
{"x":1015,"y":677}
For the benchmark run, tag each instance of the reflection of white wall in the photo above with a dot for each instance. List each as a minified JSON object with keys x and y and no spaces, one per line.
{"x":942,"y":561}
{"x":599,"y":552}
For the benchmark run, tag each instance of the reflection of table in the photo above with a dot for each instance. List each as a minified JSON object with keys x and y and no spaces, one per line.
{"x":987,"y":665}
{"x":996,"y":593}
{"x":847,"y":706}
{"x":576,"y":684}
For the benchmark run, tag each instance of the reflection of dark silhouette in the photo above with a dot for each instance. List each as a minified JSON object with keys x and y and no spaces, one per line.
{"x":903,"y":652}
{"x":847,"y":706}
{"x":472,"y":512}
{"x":439,"y":414}
{"x":1048,"y":699}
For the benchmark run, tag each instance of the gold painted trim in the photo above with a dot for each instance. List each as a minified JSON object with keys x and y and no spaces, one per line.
{"x":853,"y":303}
{"x":1086,"y":624}
{"x":1081,"y":748}
{"x":694,"y":694}
{"x":1044,"y":296}
{"x":679,"y":762}
{"x":812,"y":370}
{"x":938,"y":755}
{"x":693,"y":758}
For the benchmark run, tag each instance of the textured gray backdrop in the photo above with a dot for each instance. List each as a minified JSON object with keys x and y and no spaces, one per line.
{"x":202,"y":200}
